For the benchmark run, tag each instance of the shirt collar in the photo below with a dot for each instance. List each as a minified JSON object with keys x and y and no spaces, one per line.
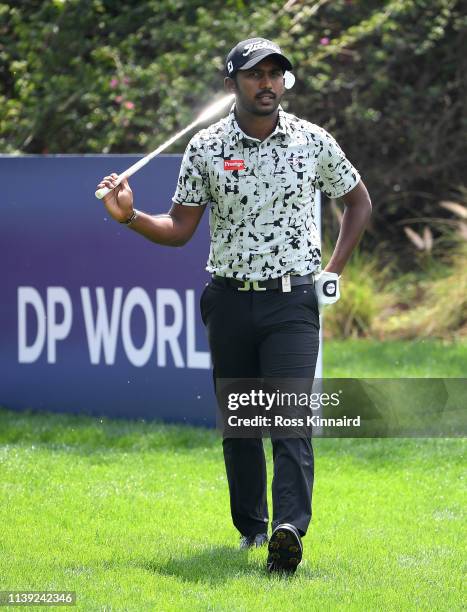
{"x":236,"y":134}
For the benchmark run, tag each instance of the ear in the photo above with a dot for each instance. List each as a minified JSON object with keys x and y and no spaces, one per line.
{"x":230,"y":86}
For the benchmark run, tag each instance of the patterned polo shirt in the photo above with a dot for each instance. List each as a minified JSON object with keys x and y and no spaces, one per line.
{"x":261,"y":194}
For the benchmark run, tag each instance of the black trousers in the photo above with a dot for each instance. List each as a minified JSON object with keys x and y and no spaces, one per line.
{"x":259,"y":334}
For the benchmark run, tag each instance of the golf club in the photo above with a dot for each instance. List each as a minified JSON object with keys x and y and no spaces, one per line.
{"x":211,"y":111}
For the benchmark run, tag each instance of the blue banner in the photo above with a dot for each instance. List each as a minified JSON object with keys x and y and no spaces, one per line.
{"x":93,"y":317}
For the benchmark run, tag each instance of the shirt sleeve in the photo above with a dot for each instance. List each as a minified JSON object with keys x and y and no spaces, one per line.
{"x":193,"y":181}
{"x":335,"y":175}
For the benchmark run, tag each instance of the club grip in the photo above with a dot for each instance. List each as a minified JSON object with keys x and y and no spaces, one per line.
{"x":100,"y":193}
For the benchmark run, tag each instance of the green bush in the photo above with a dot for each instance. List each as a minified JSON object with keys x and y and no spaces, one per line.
{"x":386,"y":77}
{"x":439,"y":309}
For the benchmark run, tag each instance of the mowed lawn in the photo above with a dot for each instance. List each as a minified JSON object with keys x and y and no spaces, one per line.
{"x":396,"y":359}
{"x":135,"y":516}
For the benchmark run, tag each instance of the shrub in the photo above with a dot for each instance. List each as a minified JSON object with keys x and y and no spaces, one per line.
{"x":439,"y":310}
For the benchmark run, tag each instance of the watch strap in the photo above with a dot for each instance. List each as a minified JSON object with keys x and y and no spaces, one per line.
{"x":131,"y":219}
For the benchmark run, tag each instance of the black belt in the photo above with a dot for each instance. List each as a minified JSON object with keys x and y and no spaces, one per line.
{"x":272,"y":283}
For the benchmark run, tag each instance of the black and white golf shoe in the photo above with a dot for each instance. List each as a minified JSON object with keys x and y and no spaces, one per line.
{"x":285,"y":549}
{"x":255,"y":541}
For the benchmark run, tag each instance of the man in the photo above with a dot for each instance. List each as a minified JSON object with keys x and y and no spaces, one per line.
{"x":258,"y":169}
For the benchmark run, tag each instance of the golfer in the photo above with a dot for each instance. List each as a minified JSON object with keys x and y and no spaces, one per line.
{"x":257,"y":170}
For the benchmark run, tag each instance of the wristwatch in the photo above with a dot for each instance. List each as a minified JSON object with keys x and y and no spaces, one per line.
{"x":131,"y":219}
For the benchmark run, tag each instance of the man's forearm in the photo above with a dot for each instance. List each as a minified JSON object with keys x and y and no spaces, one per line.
{"x":161,"y":229}
{"x":354,"y":221}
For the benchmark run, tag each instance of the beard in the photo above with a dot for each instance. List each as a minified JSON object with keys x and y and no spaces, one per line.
{"x":254,"y":106}
{"x":263,"y":112}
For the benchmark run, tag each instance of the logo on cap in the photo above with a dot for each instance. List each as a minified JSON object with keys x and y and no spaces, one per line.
{"x":256,"y":46}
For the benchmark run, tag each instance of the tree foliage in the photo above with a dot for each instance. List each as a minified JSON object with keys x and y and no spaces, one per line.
{"x":386,"y":78}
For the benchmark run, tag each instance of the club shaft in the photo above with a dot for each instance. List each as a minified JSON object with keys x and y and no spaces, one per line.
{"x":100,"y":193}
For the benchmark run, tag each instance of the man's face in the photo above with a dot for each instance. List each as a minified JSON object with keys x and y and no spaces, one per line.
{"x":259,"y":90}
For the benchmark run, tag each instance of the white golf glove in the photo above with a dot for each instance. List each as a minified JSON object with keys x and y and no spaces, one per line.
{"x":327,"y":289}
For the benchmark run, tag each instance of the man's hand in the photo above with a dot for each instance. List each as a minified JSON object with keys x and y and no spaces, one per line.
{"x":119,"y":202}
{"x":327,"y":289}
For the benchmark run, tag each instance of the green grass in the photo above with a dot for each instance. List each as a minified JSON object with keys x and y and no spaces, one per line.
{"x":135,"y":516}
{"x":394,"y":359}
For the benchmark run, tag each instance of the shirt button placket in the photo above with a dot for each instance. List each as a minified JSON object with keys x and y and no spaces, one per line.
{"x":260,"y":174}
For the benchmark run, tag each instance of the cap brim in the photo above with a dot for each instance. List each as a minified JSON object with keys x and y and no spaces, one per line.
{"x":284,"y":61}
